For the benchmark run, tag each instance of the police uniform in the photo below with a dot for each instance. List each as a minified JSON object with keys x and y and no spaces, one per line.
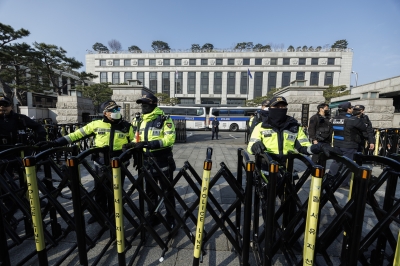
{"x":278,"y":137}
{"x":347,"y":132}
{"x":215,"y":128}
{"x":156,"y":138}
{"x":319,"y":129}
{"x":114,"y":134}
{"x":368,"y":124}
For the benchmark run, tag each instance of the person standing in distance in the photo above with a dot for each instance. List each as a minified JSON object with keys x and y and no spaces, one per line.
{"x":215,"y":128}
{"x":156,"y":139}
{"x":319,"y":129}
{"x":112,"y":131}
{"x":348,"y":131}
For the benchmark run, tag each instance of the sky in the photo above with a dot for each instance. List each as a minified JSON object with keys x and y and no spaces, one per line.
{"x":371,"y":27}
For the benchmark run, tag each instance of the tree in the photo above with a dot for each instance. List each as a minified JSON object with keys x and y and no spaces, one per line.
{"x":195,"y":48}
{"x":207,"y":47}
{"x":241,"y":46}
{"x":134,"y":49}
{"x":8,"y":34}
{"x":83,"y":76}
{"x":160,"y":46}
{"x":114,"y":45}
{"x":290,"y":48}
{"x":98,"y":93}
{"x":298,"y":49}
{"x":53,"y":62}
{"x":99,"y":47}
{"x":311,"y":49}
{"x":318,"y":48}
{"x":304,"y":48}
{"x":258,"y":47}
{"x":267,"y":48}
{"x":340,"y":44}
{"x":258,"y":100}
{"x":335,"y":91}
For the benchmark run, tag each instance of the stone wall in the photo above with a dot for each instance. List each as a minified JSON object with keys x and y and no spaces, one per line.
{"x":380,"y":111}
{"x":70,"y":109}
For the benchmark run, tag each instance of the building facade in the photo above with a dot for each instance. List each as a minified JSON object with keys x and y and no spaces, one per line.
{"x":221,"y":77}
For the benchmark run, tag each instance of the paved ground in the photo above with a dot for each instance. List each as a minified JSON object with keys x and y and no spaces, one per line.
{"x":180,"y":252}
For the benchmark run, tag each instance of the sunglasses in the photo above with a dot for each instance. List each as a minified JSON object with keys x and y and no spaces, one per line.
{"x":4,"y":104}
{"x":114,"y":110}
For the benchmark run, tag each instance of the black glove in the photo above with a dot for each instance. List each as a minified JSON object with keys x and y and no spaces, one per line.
{"x":258,"y":148}
{"x":127,"y":146}
{"x":141,"y":145}
{"x":45,"y":145}
{"x":328,"y":150}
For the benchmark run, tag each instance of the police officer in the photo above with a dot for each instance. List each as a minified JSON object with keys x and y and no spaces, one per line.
{"x":112,"y":131}
{"x":279,"y":133}
{"x":319,"y":129}
{"x":157,"y":137}
{"x":358,"y":111}
{"x":13,"y":130}
{"x":14,"y":127}
{"x":347,"y":133}
{"x":215,"y":128}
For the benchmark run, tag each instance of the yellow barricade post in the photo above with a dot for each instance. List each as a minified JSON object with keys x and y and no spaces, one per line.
{"x":310,"y":233}
{"x":201,"y":216}
{"x":396,"y":261}
{"x":376,"y":151}
{"x":119,"y":210}
{"x":34,"y":202}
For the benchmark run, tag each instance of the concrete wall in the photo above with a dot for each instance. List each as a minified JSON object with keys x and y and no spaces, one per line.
{"x":70,"y":109}
{"x":382,"y":86}
{"x":35,"y":112}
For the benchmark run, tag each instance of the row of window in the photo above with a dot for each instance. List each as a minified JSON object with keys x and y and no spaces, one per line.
{"x":205,"y":62}
{"x":217,"y":89}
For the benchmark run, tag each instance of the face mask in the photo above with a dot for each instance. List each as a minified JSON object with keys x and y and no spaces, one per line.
{"x":116,"y":115}
{"x":356,"y":112}
{"x":148,"y":108}
{"x":277,"y":116}
{"x":327,"y":112}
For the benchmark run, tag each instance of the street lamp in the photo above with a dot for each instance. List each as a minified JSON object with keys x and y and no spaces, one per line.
{"x":353,"y":72}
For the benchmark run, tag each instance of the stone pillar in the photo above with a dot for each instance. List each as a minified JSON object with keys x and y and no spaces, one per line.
{"x":71,"y":108}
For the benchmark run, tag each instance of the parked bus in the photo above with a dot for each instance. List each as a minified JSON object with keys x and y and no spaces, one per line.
{"x":195,"y":116}
{"x":232,"y":118}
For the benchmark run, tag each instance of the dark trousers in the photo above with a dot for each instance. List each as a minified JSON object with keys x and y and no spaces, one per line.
{"x":334,"y":167}
{"x":164,"y":163}
{"x":216,"y":134}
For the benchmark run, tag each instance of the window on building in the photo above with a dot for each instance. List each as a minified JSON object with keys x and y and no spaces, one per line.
{"x":152,"y":62}
{"x":237,"y":102}
{"x":218,"y":62}
{"x":217,"y":82}
{"x":328,"y":78}
{"x":192,"y":62}
{"x":204,"y":62}
{"x":166,"y":62}
{"x":165,"y":83}
{"x":286,"y":61}
{"x":258,"y":62}
{"x":103,"y":77}
{"x":231,"y":62}
{"x":204,"y":83}
{"x":141,"y":62}
{"x":178,"y":83}
{"x":140,"y":77}
{"x":331,"y":61}
{"x":187,"y":101}
{"x":191,"y":82}
{"x":274,"y":61}
{"x":300,"y":76}
{"x":246,"y":61}
{"x":243,"y":82}
{"x":127,"y":62}
{"x":231,"y":83}
{"x":115,"y":78}
{"x":285,"y":79}
{"x":271,"y":81}
{"x":302,"y":61}
{"x":153,"y":81}
{"x":314,"y":78}
{"x":127,"y":76}
{"x":103,"y":63}
{"x":258,"y":81}
{"x":178,"y":62}
{"x":314,"y":61}
{"x":116,"y":62}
